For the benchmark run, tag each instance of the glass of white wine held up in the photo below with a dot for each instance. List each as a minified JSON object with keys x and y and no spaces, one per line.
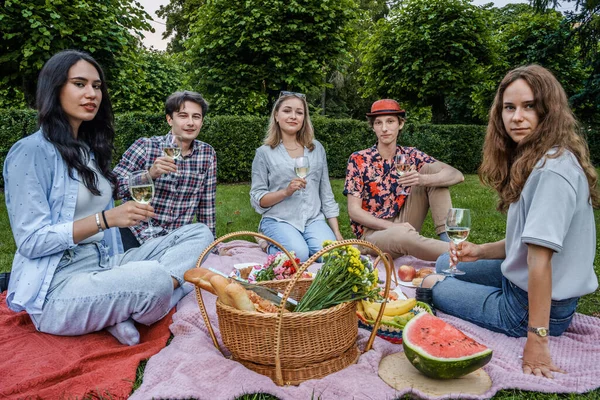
{"x":402,"y":164}
{"x":172,"y":147}
{"x":301,"y":166}
{"x":141,"y":187}
{"x":458,"y":227}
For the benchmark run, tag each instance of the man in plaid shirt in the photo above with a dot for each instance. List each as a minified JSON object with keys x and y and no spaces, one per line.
{"x":183,"y":188}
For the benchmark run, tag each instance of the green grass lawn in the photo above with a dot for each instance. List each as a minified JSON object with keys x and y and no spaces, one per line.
{"x":234,"y":213}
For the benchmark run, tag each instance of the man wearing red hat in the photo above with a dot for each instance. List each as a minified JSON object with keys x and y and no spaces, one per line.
{"x":388,"y":207}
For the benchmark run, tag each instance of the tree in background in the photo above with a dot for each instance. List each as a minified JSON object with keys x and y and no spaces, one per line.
{"x":585,"y":23}
{"x":523,"y":37}
{"x":144,"y":85}
{"x":177,"y":16}
{"x":34,"y":30}
{"x":241,"y":54}
{"x":339,"y":96}
{"x":426,"y":52}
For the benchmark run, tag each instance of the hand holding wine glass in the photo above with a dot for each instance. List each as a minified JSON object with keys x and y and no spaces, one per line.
{"x":301,"y":167}
{"x":141,"y":187}
{"x":458,"y":227}
{"x":402,"y":164}
{"x":172,"y":147}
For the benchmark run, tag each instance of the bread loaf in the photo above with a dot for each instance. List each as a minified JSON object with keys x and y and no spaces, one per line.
{"x":220,"y":283}
{"x":239,"y":297}
{"x":201,"y":278}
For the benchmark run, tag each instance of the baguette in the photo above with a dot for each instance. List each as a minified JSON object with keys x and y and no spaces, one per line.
{"x":240,"y":298}
{"x":220,"y":283}
{"x":201,"y":278}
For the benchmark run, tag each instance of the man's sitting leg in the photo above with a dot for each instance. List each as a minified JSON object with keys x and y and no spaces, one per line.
{"x":402,"y":239}
{"x":424,"y":198}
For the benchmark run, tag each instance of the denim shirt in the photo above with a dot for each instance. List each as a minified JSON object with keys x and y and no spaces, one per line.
{"x":273,"y":169}
{"x":40,"y":199}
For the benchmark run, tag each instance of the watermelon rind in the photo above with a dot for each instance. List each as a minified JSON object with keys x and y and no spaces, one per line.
{"x":440,"y":368}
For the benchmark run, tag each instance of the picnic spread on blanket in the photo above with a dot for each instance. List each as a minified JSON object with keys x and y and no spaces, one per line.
{"x":364,"y":349}
{"x":198,"y":355}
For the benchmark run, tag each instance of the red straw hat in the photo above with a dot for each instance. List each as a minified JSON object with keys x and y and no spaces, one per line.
{"x":386,"y":107}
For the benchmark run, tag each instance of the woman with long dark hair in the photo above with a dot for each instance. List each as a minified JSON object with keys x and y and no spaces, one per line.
{"x":528,"y":284}
{"x":69,"y":272}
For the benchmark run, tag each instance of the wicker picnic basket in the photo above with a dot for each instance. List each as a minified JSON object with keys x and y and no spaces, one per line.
{"x":291,"y":347}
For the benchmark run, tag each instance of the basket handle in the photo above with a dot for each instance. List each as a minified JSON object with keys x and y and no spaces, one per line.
{"x":205,"y":253}
{"x":384,"y":257}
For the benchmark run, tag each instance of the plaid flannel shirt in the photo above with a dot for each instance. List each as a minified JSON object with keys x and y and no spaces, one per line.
{"x":177,"y":197}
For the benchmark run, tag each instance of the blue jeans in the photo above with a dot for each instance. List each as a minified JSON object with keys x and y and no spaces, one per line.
{"x":90,"y":290}
{"x":486,"y":298}
{"x":304,"y":244}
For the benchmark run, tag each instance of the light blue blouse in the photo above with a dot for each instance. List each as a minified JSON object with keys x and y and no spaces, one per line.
{"x":273,"y":169}
{"x":40,"y":199}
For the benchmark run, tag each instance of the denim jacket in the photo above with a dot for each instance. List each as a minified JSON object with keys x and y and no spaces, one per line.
{"x":40,"y":199}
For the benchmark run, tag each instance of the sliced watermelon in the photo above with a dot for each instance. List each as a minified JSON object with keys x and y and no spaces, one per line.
{"x":441,"y":351}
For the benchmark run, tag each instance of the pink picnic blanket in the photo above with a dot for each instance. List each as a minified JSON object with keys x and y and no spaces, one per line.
{"x":191,"y":367}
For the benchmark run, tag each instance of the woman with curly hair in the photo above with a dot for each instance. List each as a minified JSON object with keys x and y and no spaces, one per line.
{"x":528,"y":284}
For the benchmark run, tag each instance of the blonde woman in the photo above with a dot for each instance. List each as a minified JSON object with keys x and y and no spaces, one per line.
{"x":299,"y":213}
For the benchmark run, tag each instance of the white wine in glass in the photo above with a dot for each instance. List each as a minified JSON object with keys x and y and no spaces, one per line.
{"x":141,"y":187}
{"x":172,"y":152}
{"x":172,"y":148}
{"x":402,"y":164}
{"x":458,"y":226}
{"x":301,"y":166}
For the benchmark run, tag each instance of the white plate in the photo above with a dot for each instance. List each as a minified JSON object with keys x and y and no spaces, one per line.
{"x":407,"y":284}
{"x":244,"y":265}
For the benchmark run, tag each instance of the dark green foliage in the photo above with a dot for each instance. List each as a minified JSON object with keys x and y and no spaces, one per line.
{"x":457,"y":145}
{"x":14,"y":125}
{"x":34,"y":30}
{"x":427,"y":51}
{"x":242,"y":53}
{"x":235,"y":139}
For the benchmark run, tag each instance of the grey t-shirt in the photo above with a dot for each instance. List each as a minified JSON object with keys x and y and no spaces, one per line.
{"x":88,"y":204}
{"x":273,"y":169}
{"x":554,"y":211}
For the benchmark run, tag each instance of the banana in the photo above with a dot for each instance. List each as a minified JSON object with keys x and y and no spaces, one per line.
{"x":399,"y":307}
{"x":359,"y":306}
{"x":372,"y":311}
{"x":392,"y":308}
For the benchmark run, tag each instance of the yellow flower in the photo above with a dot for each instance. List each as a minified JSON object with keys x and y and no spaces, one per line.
{"x":355,"y":288}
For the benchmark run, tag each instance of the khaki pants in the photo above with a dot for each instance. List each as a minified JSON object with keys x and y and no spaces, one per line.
{"x":401,"y":239}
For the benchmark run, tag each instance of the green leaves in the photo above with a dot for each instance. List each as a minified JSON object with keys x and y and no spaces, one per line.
{"x":426,"y":51}
{"x":33,"y":30}
{"x":246,"y":52}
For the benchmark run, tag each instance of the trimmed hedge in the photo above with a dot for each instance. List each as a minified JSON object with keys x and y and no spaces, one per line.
{"x":236,"y":138}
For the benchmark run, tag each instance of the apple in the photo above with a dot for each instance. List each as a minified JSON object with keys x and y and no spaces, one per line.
{"x":406,"y":273}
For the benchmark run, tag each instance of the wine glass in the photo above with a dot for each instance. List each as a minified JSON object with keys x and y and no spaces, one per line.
{"x":141,"y":187}
{"x":402,"y":165}
{"x":301,"y":167}
{"x":172,"y":147}
{"x":458,"y":226}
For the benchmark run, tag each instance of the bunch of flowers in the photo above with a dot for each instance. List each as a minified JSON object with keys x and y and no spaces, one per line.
{"x":346,"y":275}
{"x":277,"y":267}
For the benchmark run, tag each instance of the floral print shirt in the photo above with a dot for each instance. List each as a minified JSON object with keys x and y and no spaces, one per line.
{"x":373,"y":179}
